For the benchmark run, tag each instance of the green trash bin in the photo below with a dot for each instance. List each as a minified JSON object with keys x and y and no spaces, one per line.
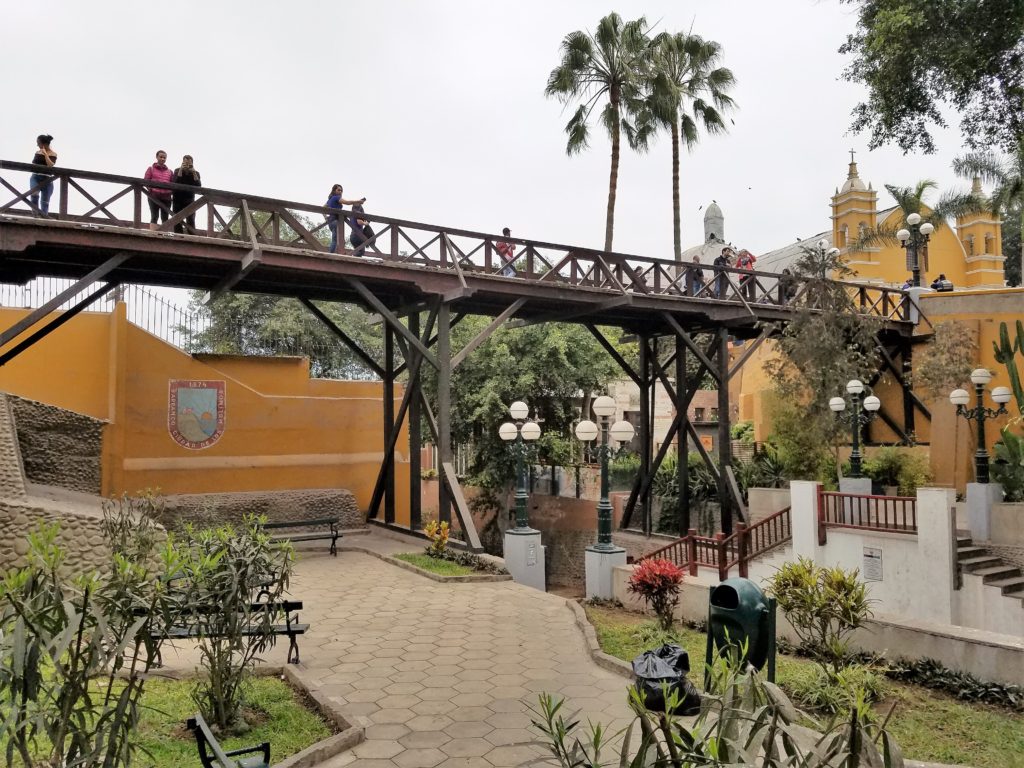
{"x":740,"y":612}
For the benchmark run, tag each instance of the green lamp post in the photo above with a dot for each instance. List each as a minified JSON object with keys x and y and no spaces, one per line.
{"x":620,"y":432}
{"x":520,"y":431}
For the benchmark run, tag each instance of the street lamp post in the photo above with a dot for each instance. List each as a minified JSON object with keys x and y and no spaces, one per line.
{"x":521,"y":431}
{"x":915,"y":239}
{"x":621,"y":432}
{"x":980,"y":413}
{"x":863,"y":411}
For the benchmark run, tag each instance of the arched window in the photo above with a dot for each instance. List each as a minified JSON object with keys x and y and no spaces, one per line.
{"x":969,"y":242}
{"x":990,"y":242}
{"x":844,"y":236}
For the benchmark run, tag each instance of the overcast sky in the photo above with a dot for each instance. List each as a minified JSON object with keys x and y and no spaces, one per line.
{"x":435,"y":111}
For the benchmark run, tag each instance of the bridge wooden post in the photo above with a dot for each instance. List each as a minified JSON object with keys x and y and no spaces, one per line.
{"x":646,"y":382}
{"x":682,"y":440}
{"x":388,"y":403}
{"x":415,"y":510}
{"x":444,"y":407}
{"x":906,"y":355}
{"x":724,"y":448}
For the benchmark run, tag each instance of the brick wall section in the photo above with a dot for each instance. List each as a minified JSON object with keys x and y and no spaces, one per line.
{"x":278,"y":506}
{"x":59,"y":447}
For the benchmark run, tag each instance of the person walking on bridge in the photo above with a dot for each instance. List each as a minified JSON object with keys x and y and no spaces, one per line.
{"x":694,"y":277}
{"x":745,"y":260}
{"x":159,"y":199}
{"x":42,"y":184}
{"x":180,"y":200}
{"x":507,"y":251}
{"x":724,"y":259}
{"x":336,"y":202}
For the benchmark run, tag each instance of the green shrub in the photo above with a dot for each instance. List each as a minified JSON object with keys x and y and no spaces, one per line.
{"x":220,"y":568}
{"x":892,"y":466}
{"x":821,"y":692}
{"x":742,"y":431}
{"x":824,"y":606}
{"x":75,"y":651}
{"x":622,"y":471}
{"x":1008,"y":467}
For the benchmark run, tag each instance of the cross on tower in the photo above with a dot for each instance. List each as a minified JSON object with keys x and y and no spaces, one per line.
{"x":851,"y":156}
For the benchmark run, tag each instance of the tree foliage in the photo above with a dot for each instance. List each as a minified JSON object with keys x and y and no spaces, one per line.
{"x":828,"y":341}
{"x":917,"y":57}
{"x":257,"y":324}
{"x":948,"y":359}
{"x":950,"y":204}
{"x":550,"y":366}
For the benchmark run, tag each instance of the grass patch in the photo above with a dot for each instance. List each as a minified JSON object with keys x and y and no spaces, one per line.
{"x":435,"y":564}
{"x":928,"y":725}
{"x":281,"y":718}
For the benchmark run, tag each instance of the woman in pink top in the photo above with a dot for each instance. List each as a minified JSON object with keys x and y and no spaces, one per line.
{"x":159,"y":199}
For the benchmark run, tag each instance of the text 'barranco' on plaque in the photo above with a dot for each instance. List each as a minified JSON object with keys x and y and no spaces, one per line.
{"x":195,"y":412}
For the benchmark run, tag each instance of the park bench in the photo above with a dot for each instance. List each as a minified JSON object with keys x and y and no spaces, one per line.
{"x":333,"y":533}
{"x":291,"y":628}
{"x":213,"y":755}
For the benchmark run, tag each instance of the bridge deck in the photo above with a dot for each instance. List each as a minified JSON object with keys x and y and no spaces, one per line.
{"x":262,"y":245}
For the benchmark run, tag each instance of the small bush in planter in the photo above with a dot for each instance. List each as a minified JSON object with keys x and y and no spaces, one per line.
{"x":658,"y":582}
{"x":438,"y":535}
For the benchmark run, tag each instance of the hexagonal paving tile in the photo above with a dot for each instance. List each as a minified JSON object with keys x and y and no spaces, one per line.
{"x":469,"y":730}
{"x":465,"y":714}
{"x":420,"y":758}
{"x":473,"y":686}
{"x":433,"y":707}
{"x":404,"y":687}
{"x":469,"y":747}
{"x":397,"y":701}
{"x":508,"y":705}
{"x":393,"y":715}
{"x":512,"y":755}
{"x":387,"y":731}
{"x":510,"y":719}
{"x":500,"y":737}
{"x":377,"y":748}
{"x":430,"y":722}
{"x":424,"y":739}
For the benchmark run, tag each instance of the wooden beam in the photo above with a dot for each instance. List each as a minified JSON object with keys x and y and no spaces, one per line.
{"x":626,"y":367}
{"x":451,"y":480}
{"x":481,"y":337}
{"x":682,"y":334}
{"x":370,"y":363}
{"x":395,"y":323}
{"x":564,"y":317}
{"x":750,"y":350}
{"x":36,"y":315}
{"x":249,"y":262}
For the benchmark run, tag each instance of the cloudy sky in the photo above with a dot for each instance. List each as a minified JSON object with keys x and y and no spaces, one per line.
{"x":435,"y":111}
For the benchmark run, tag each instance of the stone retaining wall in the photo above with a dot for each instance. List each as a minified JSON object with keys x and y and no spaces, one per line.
{"x":59,"y":447}
{"x":204,"y":509}
{"x":81,"y":536}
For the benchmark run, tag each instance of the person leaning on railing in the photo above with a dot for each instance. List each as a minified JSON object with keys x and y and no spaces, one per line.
{"x":42,"y":184}
{"x":159,"y":199}
{"x":180,"y":199}
{"x":337,"y":202}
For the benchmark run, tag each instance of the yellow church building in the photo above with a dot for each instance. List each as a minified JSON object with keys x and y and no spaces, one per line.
{"x":968,"y":251}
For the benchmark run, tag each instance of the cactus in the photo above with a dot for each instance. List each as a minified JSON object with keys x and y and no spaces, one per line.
{"x":1005,"y":352}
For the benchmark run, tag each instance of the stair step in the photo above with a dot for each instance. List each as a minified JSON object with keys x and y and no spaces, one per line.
{"x":962,"y":553}
{"x":971,"y":564}
{"x":997,"y":572}
{"x":1009,"y":584}
{"x":964,"y":541}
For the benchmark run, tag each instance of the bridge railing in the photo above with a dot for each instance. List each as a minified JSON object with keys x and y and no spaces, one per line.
{"x":100,"y":199}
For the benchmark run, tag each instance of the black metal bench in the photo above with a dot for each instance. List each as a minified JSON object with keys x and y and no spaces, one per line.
{"x":290,"y":629}
{"x":213,"y":755}
{"x":333,"y":534}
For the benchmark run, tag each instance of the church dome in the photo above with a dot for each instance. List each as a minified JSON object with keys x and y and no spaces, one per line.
{"x":853,"y":181}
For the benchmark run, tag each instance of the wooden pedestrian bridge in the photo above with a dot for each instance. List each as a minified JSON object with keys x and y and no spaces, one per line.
{"x":97,"y":233}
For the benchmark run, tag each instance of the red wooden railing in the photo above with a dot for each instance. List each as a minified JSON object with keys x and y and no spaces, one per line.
{"x":897,"y":514}
{"x":723,"y":553}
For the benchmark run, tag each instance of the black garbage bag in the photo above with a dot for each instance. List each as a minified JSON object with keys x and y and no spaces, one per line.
{"x":662,"y":671}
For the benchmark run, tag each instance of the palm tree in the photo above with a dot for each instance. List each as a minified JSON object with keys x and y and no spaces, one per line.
{"x":1006,"y":173}
{"x":610,"y":63}
{"x":688,"y":90}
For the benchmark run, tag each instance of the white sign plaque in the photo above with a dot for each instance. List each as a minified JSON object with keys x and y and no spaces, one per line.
{"x":872,"y":564}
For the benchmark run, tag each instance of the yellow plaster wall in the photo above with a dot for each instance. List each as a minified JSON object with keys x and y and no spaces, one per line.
{"x":282,"y":429}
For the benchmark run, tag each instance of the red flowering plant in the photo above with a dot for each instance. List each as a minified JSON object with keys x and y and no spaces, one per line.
{"x":658,"y":582}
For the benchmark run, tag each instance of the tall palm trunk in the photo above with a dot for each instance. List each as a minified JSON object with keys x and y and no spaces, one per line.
{"x":613,"y":181}
{"x":677,"y":241}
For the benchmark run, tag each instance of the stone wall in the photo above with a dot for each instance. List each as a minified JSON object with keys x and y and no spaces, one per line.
{"x":81,"y":536}
{"x":278,"y":506}
{"x":59,"y":447}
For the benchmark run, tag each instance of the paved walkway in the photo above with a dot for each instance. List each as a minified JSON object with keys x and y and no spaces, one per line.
{"x":439,"y":674}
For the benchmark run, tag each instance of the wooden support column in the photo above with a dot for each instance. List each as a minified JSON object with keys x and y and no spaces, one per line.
{"x":415,"y":510}
{"x":646,"y":381}
{"x":388,"y":396}
{"x":444,"y":407}
{"x":682,"y":439}
{"x":906,"y":353}
{"x":724,"y":449}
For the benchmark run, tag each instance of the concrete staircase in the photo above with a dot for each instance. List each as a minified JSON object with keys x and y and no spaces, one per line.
{"x":978,"y":561}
